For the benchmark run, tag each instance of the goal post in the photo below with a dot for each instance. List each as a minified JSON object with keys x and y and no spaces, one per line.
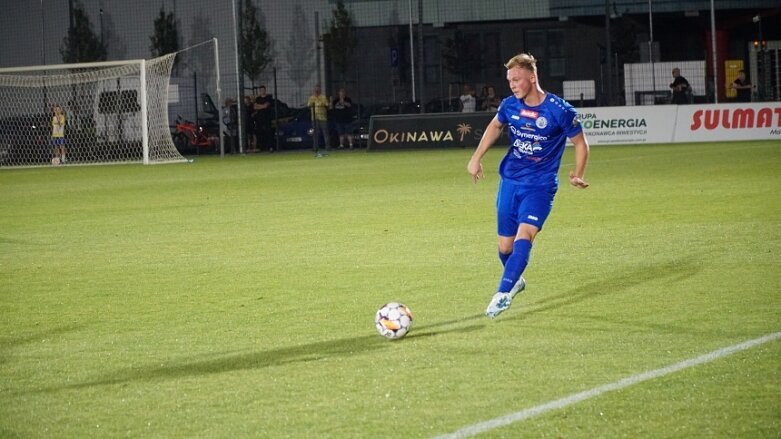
{"x":87,"y":113}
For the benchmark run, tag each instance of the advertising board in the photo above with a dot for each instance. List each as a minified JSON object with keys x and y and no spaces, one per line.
{"x":602,"y":125}
{"x":718,"y":122}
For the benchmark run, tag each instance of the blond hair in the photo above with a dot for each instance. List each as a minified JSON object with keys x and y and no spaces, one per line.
{"x":524,"y":61}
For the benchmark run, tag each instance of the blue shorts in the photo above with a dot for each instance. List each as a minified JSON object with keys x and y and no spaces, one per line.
{"x":58,"y":141}
{"x":516,"y":204}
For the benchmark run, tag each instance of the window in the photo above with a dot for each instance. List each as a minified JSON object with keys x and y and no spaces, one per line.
{"x":491,"y":57}
{"x":431,"y":61}
{"x":549,"y":47}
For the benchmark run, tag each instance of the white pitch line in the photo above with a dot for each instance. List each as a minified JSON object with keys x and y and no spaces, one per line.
{"x":501,"y":421}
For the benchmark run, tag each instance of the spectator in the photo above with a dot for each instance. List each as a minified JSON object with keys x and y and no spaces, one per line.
{"x":468,"y":100}
{"x":249,"y":124}
{"x":680,"y":87}
{"x":58,"y":134}
{"x":230,"y":117}
{"x":262,"y":117}
{"x":343,"y":116}
{"x":483,"y":95}
{"x":743,"y":87}
{"x":318,"y":105}
{"x":491,"y":101}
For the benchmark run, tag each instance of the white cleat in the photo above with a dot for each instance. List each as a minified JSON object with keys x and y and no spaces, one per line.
{"x":502,"y":301}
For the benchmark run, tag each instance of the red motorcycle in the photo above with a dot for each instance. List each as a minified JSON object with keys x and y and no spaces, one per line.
{"x":188,"y":136}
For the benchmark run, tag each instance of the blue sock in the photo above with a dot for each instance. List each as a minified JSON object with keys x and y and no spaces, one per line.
{"x":515,"y":265}
{"x":504,"y":257}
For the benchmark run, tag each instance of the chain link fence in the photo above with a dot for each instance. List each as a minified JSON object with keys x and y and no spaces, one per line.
{"x":421,"y":55}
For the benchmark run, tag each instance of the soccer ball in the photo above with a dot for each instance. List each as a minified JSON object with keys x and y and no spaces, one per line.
{"x":56,"y":161}
{"x":393,"y":320}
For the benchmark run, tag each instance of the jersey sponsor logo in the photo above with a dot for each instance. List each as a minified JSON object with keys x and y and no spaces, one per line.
{"x":529,"y":113}
{"x":541,"y":122}
{"x":522,"y":134}
{"x":523,"y":148}
{"x":528,"y":127}
{"x":515,"y":117}
{"x":533,"y":218}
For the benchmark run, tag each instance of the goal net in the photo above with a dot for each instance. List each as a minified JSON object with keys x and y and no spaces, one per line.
{"x":90,"y":113}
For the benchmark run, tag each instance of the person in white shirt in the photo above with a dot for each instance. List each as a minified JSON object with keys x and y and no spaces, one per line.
{"x":468,"y":100}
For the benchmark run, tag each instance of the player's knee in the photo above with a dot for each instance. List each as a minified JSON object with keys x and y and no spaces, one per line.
{"x":505,"y":246}
{"x":527,"y":232}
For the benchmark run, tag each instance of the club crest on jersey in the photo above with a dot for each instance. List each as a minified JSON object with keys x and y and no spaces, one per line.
{"x":541,"y":122}
{"x":529,"y":113}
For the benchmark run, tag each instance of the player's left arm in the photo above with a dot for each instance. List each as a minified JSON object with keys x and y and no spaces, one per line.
{"x":581,"y":158}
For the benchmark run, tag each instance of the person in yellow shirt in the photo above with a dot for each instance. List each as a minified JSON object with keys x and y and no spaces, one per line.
{"x":318,"y":106}
{"x":58,"y":133}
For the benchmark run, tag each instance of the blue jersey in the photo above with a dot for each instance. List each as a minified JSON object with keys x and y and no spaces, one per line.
{"x":537,"y":139}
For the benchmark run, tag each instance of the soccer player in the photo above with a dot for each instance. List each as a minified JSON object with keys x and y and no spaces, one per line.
{"x":539,"y":125}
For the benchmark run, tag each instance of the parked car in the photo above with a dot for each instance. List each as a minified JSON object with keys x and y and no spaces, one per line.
{"x":396,"y":108}
{"x":443,"y":105}
{"x":296,"y":132}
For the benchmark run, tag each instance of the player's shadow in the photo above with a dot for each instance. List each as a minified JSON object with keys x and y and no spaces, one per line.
{"x":219,"y":363}
{"x":670,"y":271}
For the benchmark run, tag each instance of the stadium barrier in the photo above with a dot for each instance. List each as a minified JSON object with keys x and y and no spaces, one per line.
{"x":716,"y":122}
{"x":628,"y":125}
{"x":602,"y":125}
{"x":436,"y":130}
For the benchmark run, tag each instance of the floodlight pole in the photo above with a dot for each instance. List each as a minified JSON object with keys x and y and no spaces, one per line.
{"x":239,"y":80}
{"x":608,"y":55}
{"x":411,"y":52}
{"x":43,"y":56}
{"x":317,"y":53}
{"x":219,"y":94}
{"x":420,"y":57}
{"x":713,"y":49}
{"x":651,"y":47}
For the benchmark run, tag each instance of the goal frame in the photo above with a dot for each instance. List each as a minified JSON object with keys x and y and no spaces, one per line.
{"x":150,"y":80}
{"x":141,"y":92}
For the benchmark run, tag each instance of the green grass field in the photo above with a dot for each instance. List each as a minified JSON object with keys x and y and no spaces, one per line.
{"x":235,"y":298}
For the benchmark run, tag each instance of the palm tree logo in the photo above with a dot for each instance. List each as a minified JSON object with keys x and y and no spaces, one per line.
{"x":464,"y":129}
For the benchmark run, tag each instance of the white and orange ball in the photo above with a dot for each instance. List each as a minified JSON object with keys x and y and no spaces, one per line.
{"x":393,"y":320}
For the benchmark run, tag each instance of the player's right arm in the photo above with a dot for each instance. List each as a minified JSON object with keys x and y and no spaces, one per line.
{"x":491,"y":134}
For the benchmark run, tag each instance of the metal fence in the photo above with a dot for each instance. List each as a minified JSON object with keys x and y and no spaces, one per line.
{"x":418,"y":55}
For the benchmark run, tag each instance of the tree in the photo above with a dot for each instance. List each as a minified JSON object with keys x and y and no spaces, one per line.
{"x":115,"y":47}
{"x":462,"y":56}
{"x":623,"y":37}
{"x":256,"y":50}
{"x":340,"y":41}
{"x":201,"y":60}
{"x":300,"y":54}
{"x":165,"y":39}
{"x":81,"y":44}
